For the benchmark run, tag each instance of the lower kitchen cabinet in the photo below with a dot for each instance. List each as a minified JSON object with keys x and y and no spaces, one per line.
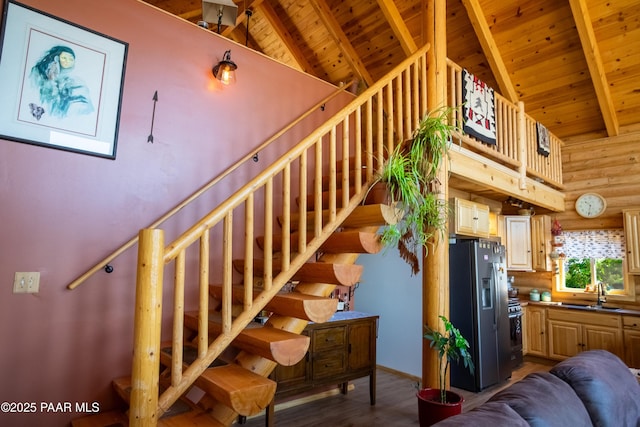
{"x":340,"y":350}
{"x":631,"y":334}
{"x":535,"y":336}
{"x":572,"y":331}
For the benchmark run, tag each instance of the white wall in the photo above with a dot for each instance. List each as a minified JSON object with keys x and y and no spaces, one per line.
{"x":388,"y":290}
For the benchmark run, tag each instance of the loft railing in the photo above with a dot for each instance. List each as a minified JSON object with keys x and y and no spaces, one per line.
{"x":516,"y":137}
{"x":364,"y":130}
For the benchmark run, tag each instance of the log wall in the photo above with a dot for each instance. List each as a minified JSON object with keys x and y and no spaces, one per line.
{"x":608,"y":166}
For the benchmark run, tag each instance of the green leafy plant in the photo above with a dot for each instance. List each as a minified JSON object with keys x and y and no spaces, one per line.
{"x":451,"y":347}
{"x":411,"y":177}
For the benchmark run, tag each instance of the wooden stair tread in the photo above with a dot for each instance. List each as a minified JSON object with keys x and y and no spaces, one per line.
{"x":195,"y":418}
{"x":243,"y":391}
{"x":350,"y":241}
{"x":293,"y":304}
{"x":362,"y":216}
{"x":189,"y":355}
{"x":102,"y":419}
{"x":282,"y":347}
{"x":313,"y":272}
{"x":122,"y":387}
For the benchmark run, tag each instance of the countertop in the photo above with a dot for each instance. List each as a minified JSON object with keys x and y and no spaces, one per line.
{"x":581,"y":307}
{"x":349,"y":315}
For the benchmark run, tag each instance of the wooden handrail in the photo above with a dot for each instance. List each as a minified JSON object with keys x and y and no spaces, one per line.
{"x":101,"y":264}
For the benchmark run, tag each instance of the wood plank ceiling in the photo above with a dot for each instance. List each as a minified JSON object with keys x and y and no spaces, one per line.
{"x":574,"y":63}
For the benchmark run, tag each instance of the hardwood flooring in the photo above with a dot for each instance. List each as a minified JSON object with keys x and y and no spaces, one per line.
{"x":396,"y":402}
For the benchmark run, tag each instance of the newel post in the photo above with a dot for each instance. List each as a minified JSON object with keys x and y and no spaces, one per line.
{"x":147,"y":322}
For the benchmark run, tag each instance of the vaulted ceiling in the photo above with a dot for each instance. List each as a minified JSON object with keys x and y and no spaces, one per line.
{"x":574,"y":63}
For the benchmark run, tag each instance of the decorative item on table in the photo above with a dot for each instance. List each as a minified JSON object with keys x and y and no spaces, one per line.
{"x":534,"y":295}
{"x":546,"y":296}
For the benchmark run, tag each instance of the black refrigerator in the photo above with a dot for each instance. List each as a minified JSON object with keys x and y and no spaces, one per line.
{"x":478,"y":308}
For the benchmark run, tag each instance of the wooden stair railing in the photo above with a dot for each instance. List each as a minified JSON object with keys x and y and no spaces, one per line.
{"x":365,"y":130}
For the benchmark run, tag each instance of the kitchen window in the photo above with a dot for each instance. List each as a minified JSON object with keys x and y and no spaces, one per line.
{"x":590,"y":257}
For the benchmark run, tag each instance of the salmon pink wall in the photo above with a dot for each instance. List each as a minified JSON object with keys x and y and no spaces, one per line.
{"x":61,"y":211}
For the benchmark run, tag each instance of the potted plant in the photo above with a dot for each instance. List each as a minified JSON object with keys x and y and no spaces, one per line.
{"x":410,"y":177}
{"x":437,"y":404}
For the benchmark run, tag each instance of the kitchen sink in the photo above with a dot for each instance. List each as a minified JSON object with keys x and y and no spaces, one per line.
{"x":591,"y":307}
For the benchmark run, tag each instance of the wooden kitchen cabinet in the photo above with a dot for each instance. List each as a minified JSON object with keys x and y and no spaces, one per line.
{"x":632,"y":235}
{"x":631,"y":335}
{"x":471,"y":218}
{"x":340,"y":350}
{"x":572,"y":331}
{"x":535,"y":336}
{"x":541,"y":242}
{"x":517,"y":240}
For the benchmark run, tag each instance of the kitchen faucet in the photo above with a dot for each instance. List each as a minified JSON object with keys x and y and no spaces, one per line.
{"x":601,"y":295}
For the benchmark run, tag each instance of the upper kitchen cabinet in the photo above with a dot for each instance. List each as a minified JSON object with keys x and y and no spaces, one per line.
{"x":517,"y":239}
{"x":632,"y":235}
{"x":541,"y":242}
{"x":471,"y":218}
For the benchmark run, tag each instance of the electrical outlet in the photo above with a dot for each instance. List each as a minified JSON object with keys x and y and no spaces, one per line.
{"x":26,"y":283}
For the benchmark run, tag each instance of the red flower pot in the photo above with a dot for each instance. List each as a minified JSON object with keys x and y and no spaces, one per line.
{"x":431,"y":409}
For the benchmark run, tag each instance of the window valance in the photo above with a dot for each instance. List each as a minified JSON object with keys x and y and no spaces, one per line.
{"x":594,"y":244}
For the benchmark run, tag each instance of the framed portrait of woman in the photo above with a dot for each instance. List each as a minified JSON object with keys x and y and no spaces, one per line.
{"x":61,"y":83}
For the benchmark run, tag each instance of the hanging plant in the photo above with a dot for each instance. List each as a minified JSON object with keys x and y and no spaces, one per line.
{"x":410,"y":174}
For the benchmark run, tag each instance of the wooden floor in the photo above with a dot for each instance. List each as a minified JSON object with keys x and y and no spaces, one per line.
{"x":396,"y":403}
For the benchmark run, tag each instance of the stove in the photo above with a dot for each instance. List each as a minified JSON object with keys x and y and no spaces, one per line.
{"x":515,"y":331}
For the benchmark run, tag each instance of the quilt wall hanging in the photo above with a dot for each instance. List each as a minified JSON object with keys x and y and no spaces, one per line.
{"x":478,"y":109}
{"x":544,"y":146}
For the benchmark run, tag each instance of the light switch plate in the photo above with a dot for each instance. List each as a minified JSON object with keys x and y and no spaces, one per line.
{"x":26,"y":283}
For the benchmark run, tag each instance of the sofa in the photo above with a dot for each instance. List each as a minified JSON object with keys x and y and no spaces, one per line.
{"x":593,"y":388}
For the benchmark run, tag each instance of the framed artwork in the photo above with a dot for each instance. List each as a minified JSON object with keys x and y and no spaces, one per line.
{"x":61,"y":83}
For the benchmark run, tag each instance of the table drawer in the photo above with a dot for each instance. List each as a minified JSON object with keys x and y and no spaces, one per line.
{"x":329,"y":338}
{"x":328,"y":364}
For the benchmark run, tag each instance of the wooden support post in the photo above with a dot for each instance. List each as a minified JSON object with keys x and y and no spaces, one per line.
{"x":435,"y":270}
{"x":147,"y":323}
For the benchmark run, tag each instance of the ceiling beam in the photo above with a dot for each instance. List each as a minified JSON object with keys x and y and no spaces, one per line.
{"x":398,"y":26}
{"x":490,"y":49}
{"x":340,"y":38}
{"x":594,"y":62}
{"x":285,"y":36}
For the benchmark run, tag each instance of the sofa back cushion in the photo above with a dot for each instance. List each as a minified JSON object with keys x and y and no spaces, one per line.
{"x":543,"y":399}
{"x":490,"y":414}
{"x":605,"y":385}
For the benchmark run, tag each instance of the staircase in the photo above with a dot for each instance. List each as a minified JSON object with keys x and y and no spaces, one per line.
{"x":301,"y":224}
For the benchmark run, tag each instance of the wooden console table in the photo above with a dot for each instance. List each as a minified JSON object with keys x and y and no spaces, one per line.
{"x":340,"y":350}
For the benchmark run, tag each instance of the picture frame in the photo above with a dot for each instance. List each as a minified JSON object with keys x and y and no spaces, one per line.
{"x":61,"y":83}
